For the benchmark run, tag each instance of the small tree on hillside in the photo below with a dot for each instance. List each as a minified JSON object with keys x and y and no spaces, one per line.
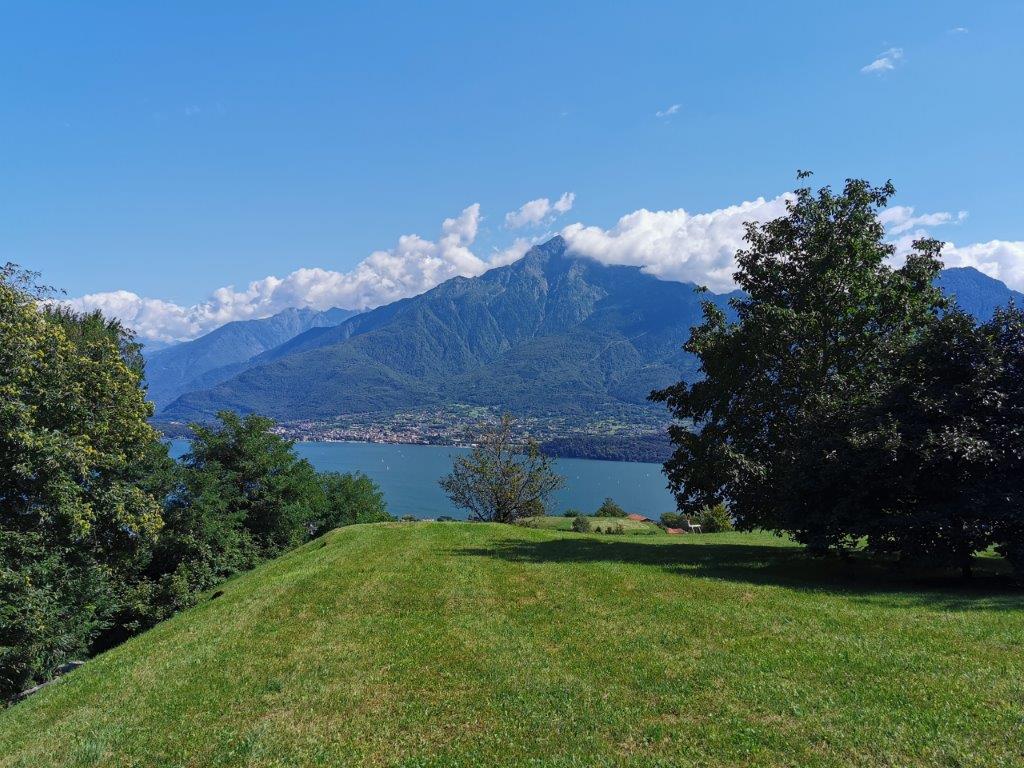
{"x":501,"y":481}
{"x":610,"y":508}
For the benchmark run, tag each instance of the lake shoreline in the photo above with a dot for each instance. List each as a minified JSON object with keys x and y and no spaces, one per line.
{"x":554,"y":448}
{"x":408,"y":474}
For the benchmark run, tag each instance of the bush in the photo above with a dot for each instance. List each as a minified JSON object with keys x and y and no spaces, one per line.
{"x":349,"y":499}
{"x":672,"y":520}
{"x":407,"y":519}
{"x":715,"y":519}
{"x":572,"y":513}
{"x":581,"y":524}
{"x":446,"y":519}
{"x":609,"y":508}
{"x":616,"y":529}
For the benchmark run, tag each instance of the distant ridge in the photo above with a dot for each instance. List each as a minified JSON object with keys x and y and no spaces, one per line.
{"x":550,"y":335}
{"x":226,"y":351}
{"x":975,"y":292}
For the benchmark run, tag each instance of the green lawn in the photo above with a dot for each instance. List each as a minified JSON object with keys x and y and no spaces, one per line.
{"x":629,"y":527}
{"x":451,"y":644}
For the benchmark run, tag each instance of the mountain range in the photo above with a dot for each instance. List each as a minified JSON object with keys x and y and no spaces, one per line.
{"x":227,"y":351}
{"x":551,"y":334}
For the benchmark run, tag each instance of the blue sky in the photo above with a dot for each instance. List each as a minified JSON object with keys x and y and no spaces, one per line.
{"x":171,"y":150}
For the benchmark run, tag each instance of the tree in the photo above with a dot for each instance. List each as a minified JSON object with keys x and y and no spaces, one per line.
{"x":958,"y":416}
{"x":1006,"y":492}
{"x":244,"y":496}
{"x":609,"y":508}
{"x":781,"y":431}
{"x":350,"y":499}
{"x":500,"y":481}
{"x":76,"y":519}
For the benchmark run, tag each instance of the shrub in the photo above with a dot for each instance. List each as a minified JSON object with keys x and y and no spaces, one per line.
{"x":572,"y":513}
{"x":581,"y":524}
{"x":715,"y":519}
{"x":615,"y":529}
{"x":672,"y":520}
{"x":609,"y":508}
{"x":446,"y":519}
{"x":407,"y":519}
{"x":349,"y":499}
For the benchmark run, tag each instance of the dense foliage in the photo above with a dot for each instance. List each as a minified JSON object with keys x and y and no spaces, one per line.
{"x":847,"y":400}
{"x":101,"y":533}
{"x":75,"y":453}
{"x":501,"y":481}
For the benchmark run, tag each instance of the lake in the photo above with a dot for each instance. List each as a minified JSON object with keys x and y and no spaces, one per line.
{"x":408,"y":475}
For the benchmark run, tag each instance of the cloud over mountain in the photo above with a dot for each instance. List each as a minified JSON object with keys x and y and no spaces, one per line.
{"x":677,"y":244}
{"x":538,"y":211}
{"x":412,"y":266}
{"x":672,"y":245}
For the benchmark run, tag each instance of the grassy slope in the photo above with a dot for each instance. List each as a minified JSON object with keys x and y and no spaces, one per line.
{"x":458,"y":644}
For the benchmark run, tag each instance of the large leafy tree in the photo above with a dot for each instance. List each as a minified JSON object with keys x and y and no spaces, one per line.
{"x":781,"y":434}
{"x":502,"y":480}
{"x":75,"y":520}
{"x":1005,"y":498}
{"x":945,"y":455}
{"x":956,"y":473}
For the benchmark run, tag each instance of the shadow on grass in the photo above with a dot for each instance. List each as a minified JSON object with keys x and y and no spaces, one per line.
{"x":785,"y":566}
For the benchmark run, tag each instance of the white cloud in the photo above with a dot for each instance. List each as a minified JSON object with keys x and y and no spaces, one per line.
{"x":412,"y":266}
{"x":673,"y":110}
{"x":564,"y":203}
{"x":1001,"y":259}
{"x":959,"y":31}
{"x":537,"y":211}
{"x":515,"y":251}
{"x":701,"y":248}
{"x":672,"y":245}
{"x":885,"y":62}
{"x":900,"y":218}
{"x":676,"y":245}
{"x":531,"y":212}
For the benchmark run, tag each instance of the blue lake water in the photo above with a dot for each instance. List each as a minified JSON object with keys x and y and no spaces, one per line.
{"x":408,"y":475}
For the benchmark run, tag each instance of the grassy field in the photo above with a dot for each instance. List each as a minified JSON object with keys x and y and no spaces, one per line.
{"x":629,"y":527}
{"x":452,"y":644}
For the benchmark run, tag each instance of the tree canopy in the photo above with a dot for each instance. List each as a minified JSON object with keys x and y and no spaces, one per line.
{"x":846,"y":397}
